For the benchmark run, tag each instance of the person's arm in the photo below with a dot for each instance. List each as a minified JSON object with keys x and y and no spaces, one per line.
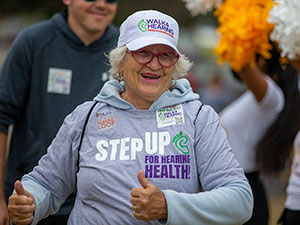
{"x":4,"y":219}
{"x":43,"y":190}
{"x":14,"y":84}
{"x":54,"y":179}
{"x":255,"y":81}
{"x":21,"y":205}
{"x":230,"y":204}
{"x":227,"y":196}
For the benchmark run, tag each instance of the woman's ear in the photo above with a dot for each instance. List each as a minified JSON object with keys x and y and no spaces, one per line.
{"x":120,"y":66}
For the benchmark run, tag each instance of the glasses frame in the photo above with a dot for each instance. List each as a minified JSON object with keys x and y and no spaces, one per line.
{"x":155,"y":55}
{"x":107,"y":1}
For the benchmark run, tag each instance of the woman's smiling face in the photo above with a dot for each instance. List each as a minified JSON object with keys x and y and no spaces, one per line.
{"x":144,"y":83}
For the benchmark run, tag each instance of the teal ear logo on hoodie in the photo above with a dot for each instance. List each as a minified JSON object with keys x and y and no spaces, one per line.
{"x":180,"y":142}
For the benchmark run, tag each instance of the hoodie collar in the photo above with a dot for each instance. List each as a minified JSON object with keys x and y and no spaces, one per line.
{"x":110,"y":94}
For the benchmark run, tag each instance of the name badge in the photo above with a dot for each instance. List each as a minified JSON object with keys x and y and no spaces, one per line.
{"x":59,"y":81}
{"x":170,"y":116}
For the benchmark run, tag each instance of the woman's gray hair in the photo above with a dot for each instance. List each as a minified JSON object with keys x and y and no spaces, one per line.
{"x":117,"y":55}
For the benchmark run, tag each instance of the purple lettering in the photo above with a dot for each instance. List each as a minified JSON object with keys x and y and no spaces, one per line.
{"x":177,"y":167}
{"x":148,"y":171}
{"x":156,"y":171}
{"x":171,"y":171}
{"x":164,"y":171}
{"x":149,"y":20}
{"x":185,"y":170}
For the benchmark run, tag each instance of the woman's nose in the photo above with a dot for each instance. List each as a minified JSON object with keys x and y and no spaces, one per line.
{"x":154,"y":63}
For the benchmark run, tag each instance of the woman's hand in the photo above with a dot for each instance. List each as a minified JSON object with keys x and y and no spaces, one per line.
{"x":148,"y":202}
{"x":21,"y":206}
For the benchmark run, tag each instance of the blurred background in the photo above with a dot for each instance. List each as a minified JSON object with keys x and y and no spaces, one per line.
{"x":197,"y":40}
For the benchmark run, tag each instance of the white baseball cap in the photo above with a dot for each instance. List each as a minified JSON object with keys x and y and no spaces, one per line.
{"x":148,"y":27}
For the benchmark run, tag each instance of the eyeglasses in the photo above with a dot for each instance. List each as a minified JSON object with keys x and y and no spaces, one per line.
{"x":165,"y":59}
{"x":107,"y":1}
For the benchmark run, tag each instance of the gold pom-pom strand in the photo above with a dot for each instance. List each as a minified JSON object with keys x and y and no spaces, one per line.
{"x":244,"y":31}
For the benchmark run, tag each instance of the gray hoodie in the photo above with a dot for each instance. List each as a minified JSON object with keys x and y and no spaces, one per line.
{"x":178,"y":144}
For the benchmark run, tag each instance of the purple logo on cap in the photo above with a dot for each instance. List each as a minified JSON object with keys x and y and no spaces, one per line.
{"x":155,"y":25}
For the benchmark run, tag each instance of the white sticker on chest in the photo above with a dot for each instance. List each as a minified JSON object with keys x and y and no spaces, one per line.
{"x":170,"y":116}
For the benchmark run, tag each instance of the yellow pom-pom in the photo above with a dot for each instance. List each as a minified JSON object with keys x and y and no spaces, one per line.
{"x":244,"y":31}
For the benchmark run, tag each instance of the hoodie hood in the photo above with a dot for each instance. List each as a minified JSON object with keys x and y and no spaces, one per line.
{"x":110,"y":94}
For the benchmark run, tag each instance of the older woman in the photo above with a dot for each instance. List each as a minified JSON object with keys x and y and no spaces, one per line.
{"x":145,"y":151}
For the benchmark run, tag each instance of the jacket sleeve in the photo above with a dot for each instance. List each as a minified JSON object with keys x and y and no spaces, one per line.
{"x":230,"y":204}
{"x":15,"y":75}
{"x":226,"y":197}
{"x":57,"y":170}
{"x":54,"y":178}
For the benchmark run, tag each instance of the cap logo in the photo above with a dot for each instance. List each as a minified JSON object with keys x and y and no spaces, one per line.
{"x":142,"y":25}
{"x":155,"y":25}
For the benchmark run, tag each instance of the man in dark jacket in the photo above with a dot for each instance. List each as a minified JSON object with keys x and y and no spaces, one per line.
{"x":52,"y":66}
